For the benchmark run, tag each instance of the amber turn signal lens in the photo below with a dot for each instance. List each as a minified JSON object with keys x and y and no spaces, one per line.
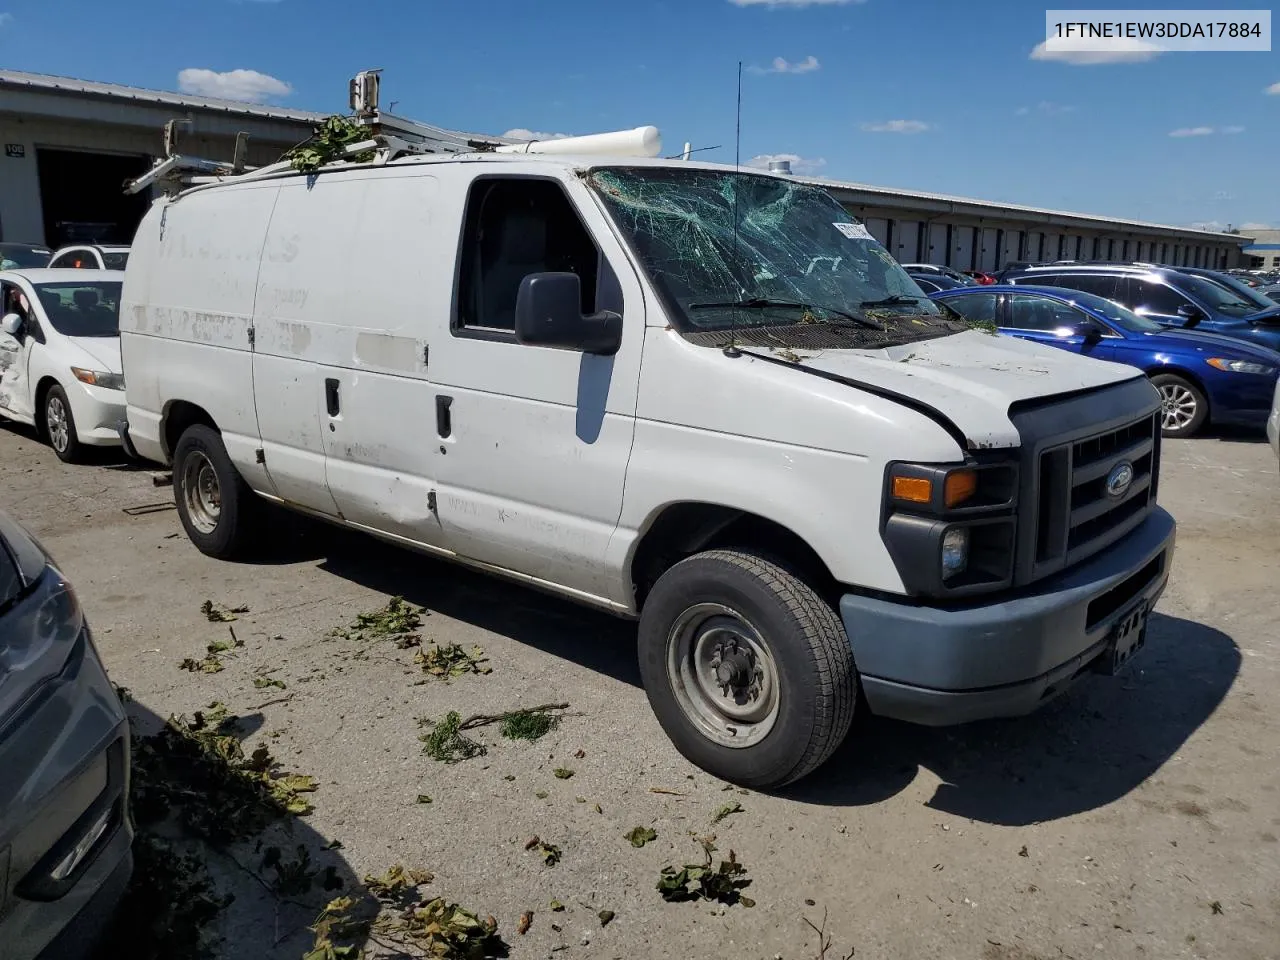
{"x":960,"y":486}
{"x":913,"y":489}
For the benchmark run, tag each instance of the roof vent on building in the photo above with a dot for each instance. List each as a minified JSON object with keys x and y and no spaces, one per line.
{"x":780,"y":167}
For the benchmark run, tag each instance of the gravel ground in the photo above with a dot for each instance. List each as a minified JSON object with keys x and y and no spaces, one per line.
{"x":1136,"y":817}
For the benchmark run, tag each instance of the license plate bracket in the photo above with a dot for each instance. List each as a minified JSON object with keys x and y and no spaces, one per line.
{"x":1127,"y":637}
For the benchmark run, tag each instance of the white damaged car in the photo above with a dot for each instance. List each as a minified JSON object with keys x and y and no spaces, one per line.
{"x":60,"y":356}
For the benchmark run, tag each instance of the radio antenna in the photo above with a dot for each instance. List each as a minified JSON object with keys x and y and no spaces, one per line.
{"x":731,"y":348}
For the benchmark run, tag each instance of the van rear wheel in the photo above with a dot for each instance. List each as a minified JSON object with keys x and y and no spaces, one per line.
{"x":747,"y":668}
{"x":217,"y":508}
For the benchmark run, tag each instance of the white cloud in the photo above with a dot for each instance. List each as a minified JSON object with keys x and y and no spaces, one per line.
{"x":1046,"y":107}
{"x":523,"y":133}
{"x":1255,"y":226}
{"x":798,"y":163}
{"x":8,"y":18}
{"x":1204,"y":131}
{"x":1274,"y":90}
{"x":779,"y":65}
{"x":896,"y":126}
{"x":249,"y":85}
{"x":792,"y":3}
{"x":1067,"y":50}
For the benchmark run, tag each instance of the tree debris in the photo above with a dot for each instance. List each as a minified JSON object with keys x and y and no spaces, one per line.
{"x":824,"y":938}
{"x":328,"y":142}
{"x":450,"y":661}
{"x":556,"y":906}
{"x":698,"y":881}
{"x":445,"y":743}
{"x":670,"y":793}
{"x":732,"y":807}
{"x":605,"y":916}
{"x":549,"y":852}
{"x":563,"y":773}
{"x":296,"y":877}
{"x":639,"y":836}
{"x":168,"y":904}
{"x":526,"y":920}
{"x":218,"y":614}
{"x":211,"y":662}
{"x":196,"y":771}
{"x":263,"y":682}
{"x":395,"y":620}
{"x":396,"y":881}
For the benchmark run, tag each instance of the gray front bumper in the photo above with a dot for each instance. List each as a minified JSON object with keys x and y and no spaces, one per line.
{"x":1006,"y":658}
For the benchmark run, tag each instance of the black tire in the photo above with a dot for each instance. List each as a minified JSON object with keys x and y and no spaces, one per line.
{"x":202,"y":475}
{"x":812,"y":662}
{"x":59,"y":426}
{"x":1184,"y":408}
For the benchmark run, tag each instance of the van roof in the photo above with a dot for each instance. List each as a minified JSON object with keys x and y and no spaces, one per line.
{"x":62,"y":275}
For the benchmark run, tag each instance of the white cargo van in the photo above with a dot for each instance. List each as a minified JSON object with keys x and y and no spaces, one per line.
{"x":698,"y":396}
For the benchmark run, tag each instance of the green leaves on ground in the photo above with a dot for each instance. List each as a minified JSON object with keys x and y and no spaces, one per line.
{"x":211,"y":662}
{"x":445,"y":743}
{"x":698,"y":881}
{"x":196,"y":771}
{"x":168,"y":904}
{"x":263,"y":682}
{"x":219,"y":614}
{"x":445,"y":662}
{"x":727,"y":809}
{"x":328,"y":142}
{"x":563,"y":773}
{"x":549,"y":852}
{"x":396,"y":882}
{"x":396,"y":619}
{"x":605,"y":916}
{"x":527,"y":724}
{"x":334,"y":923}
{"x":639,"y":836}
{"x":296,"y":877}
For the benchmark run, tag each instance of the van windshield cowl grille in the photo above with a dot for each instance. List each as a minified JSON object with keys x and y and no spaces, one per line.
{"x":1085,"y":485}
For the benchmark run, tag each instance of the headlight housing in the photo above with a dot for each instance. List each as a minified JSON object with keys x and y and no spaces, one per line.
{"x":1240,"y":366}
{"x":949,"y":528}
{"x":99,"y":378}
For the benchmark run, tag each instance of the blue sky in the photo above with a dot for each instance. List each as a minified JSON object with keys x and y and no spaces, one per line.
{"x":934,"y":95}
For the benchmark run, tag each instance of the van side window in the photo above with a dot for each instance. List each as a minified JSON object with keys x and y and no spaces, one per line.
{"x":514,"y":228}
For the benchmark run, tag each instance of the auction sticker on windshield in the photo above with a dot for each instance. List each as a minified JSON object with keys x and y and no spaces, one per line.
{"x":854,"y":231}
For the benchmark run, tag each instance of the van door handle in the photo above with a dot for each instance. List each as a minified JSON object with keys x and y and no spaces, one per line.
{"x":444,"y":419}
{"x":331,"y":396}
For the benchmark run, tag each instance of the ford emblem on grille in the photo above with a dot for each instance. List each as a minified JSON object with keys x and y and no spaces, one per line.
{"x":1119,"y":479}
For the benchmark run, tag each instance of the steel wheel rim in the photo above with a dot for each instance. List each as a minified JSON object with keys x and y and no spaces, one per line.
{"x":1177,"y":406}
{"x":56,"y":423}
{"x":201,"y":492}
{"x":723,"y":675}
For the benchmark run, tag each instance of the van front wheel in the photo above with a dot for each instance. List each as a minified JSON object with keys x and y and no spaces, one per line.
{"x":216,"y":506}
{"x":747,"y":668}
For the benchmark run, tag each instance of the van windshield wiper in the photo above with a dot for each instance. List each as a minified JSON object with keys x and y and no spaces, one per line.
{"x":759,"y":303}
{"x":890,"y":301}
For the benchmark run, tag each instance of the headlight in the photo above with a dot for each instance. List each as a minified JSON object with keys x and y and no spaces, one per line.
{"x":955,"y":551}
{"x":1240,"y":366}
{"x":99,"y":378}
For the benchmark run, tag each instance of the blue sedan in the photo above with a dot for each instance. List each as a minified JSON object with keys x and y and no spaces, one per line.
{"x":1202,"y":377}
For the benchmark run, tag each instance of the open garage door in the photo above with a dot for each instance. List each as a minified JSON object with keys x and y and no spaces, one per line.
{"x":81,"y":196}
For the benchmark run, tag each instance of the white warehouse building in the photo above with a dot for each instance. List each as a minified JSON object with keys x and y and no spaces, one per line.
{"x":70,"y":144}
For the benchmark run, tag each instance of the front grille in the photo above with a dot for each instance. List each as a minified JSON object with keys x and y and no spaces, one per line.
{"x":1076,"y":513}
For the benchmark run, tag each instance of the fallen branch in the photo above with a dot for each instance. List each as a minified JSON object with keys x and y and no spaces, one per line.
{"x":483,"y":719}
{"x":271,"y":703}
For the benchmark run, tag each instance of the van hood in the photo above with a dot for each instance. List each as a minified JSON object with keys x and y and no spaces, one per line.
{"x":971,"y":379}
{"x":104,"y":350}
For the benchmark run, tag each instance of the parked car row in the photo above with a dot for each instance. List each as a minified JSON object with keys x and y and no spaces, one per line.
{"x":86,"y":256}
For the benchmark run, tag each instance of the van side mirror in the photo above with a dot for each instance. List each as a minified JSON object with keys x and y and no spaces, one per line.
{"x":549,"y":314}
{"x":11,"y":324}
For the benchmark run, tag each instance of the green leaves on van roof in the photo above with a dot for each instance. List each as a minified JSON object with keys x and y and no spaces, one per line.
{"x":329,"y":142}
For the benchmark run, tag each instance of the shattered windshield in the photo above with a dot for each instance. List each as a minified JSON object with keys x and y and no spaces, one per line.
{"x":795,"y":257}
